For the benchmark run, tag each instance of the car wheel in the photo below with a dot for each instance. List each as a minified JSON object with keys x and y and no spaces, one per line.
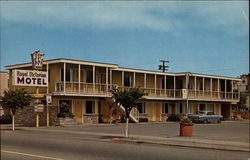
{"x":205,"y":121}
{"x":219,"y":121}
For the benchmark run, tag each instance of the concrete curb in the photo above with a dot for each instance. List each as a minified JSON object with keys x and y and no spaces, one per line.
{"x":188,"y":144}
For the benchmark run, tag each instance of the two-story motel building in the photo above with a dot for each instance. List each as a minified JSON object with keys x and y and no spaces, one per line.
{"x":85,"y":86}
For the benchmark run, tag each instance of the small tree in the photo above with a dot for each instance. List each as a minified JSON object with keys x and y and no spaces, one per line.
{"x":128,"y":99}
{"x":241,"y":105}
{"x":13,"y":100}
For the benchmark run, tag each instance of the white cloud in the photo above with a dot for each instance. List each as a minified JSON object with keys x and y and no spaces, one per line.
{"x":157,"y":16}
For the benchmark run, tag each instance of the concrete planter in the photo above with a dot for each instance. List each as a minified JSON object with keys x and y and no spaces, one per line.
{"x":186,"y":129}
{"x":66,"y":121}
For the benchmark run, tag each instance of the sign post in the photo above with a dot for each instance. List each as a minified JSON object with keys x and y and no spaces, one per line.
{"x":37,"y":64}
{"x":48,"y":97}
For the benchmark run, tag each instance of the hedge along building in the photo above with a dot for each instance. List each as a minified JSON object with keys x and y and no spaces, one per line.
{"x":85,"y":87}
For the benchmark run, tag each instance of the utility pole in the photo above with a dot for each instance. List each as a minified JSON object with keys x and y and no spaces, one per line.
{"x":163,"y":67}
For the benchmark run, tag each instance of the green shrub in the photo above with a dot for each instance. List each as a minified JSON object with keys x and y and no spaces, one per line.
{"x":186,"y":120}
{"x":174,"y":118}
{"x":5,"y":119}
{"x":65,"y":114}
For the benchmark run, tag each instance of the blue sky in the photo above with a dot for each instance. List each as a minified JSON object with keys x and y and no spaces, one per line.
{"x":209,"y":37}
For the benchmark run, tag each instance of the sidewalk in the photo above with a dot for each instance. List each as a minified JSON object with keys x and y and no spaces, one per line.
{"x":170,"y":141}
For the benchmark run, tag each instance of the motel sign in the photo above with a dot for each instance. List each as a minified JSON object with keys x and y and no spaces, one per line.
{"x":30,"y":78}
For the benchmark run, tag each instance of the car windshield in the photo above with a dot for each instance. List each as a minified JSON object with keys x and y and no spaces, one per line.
{"x":210,"y":113}
{"x":200,"y":112}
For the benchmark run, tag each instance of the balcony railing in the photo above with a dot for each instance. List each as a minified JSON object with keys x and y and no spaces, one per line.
{"x":83,"y":88}
{"x":103,"y":89}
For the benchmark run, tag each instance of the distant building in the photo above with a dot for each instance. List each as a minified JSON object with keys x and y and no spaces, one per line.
{"x":4,"y":77}
{"x":244,"y":86}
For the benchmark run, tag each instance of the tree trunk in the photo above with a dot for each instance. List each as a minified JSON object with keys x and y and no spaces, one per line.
{"x":13,"y":122}
{"x":126,"y":131}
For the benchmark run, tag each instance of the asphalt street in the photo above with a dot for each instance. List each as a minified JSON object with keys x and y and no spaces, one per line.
{"x":37,"y":145}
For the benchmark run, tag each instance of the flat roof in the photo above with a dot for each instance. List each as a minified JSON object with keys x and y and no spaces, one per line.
{"x":116,"y":67}
{"x":63,"y":60}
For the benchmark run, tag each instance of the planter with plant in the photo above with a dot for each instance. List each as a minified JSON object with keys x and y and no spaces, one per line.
{"x":186,"y":127}
{"x":65,"y":116}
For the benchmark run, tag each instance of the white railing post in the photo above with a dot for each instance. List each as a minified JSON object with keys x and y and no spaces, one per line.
{"x":232,"y":89}
{"x":94,"y":79}
{"x":107,"y":78}
{"x":165,"y":85}
{"x":134,"y":80}
{"x":225,"y":89}
{"x":211,"y":87}
{"x":64,"y":77}
{"x":218,"y":88}
{"x":203,"y":86}
{"x":195,"y":87}
{"x":155,"y":84}
{"x":110,"y":77}
{"x":79,"y":78}
{"x":174,"y":86}
{"x":123,"y":79}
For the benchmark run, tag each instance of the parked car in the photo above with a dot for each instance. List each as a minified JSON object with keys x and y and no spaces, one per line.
{"x":205,"y":117}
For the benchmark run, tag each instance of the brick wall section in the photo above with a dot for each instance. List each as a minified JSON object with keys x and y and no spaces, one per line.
{"x":27,"y":117}
{"x":91,"y":118}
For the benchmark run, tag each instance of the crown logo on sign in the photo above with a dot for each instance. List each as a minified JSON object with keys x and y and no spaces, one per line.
{"x":37,"y":60}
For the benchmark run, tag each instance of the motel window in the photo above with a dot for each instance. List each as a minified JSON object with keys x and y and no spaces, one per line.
{"x":89,"y":76}
{"x":90,"y":107}
{"x":179,"y":84}
{"x":202,"y":107}
{"x":210,"y":107}
{"x":65,"y":106}
{"x":163,"y":83}
{"x":180,"y":108}
{"x":168,"y":84}
{"x":190,"y":84}
{"x":214,"y":85}
{"x":128,"y":81}
{"x":201,"y":84}
{"x":101,"y":78}
{"x":166,"y":108}
{"x":69,"y":75}
{"x":141,"y":107}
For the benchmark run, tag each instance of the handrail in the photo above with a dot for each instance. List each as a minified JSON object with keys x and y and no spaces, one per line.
{"x":103,"y":88}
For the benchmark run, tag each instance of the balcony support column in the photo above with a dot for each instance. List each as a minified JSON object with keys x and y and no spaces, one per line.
{"x":107,"y":78}
{"x":134,"y":80}
{"x":225,"y":89}
{"x":110,"y":78}
{"x":79,"y":78}
{"x":195,"y":86}
{"x":203,"y":86}
{"x":122,"y":78}
{"x":64,"y":77}
{"x":174,"y":86}
{"x":165,"y":85}
{"x":187,"y":81}
{"x":232,"y":86}
{"x":94,"y":79}
{"x":218,"y":88}
{"x":155,"y":83}
{"x":211,"y":87}
{"x":96,"y":107}
{"x":145,"y":80}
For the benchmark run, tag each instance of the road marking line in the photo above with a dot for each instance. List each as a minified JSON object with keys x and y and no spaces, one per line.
{"x":32,"y":155}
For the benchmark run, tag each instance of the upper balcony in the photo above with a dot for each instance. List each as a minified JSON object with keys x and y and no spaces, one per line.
{"x":103,"y":90}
